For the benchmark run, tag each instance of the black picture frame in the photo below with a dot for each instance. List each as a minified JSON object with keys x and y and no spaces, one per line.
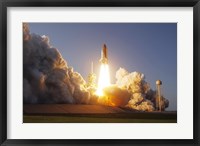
{"x":4,"y":4}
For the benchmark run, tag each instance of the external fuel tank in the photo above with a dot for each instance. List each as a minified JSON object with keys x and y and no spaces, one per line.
{"x":104,"y":55}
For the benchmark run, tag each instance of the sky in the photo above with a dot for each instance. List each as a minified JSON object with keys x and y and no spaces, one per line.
{"x":149,"y":48}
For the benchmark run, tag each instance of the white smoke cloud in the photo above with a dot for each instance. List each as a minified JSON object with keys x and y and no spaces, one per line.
{"x":139,"y":102}
{"x":142,"y":96}
{"x":46,"y":75}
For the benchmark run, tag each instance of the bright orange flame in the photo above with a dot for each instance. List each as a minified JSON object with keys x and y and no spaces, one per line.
{"x":104,"y":79}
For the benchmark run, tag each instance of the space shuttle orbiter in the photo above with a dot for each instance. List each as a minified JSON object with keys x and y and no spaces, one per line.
{"x":104,"y":55}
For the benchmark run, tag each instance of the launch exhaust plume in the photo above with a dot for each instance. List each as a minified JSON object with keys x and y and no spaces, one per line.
{"x":104,"y":75}
{"x":46,"y":75}
{"x":142,"y":96}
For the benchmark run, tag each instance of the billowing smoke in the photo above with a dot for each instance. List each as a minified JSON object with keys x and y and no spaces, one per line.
{"x":117,"y":96}
{"x":134,"y":92}
{"x":46,"y":75}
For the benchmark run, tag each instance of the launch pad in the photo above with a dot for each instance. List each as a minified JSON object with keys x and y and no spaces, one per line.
{"x":79,"y":113}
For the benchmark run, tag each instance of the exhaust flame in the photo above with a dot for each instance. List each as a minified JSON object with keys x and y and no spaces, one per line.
{"x":104,"y":79}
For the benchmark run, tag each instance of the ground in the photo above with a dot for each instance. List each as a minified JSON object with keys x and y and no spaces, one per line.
{"x":70,"y":113}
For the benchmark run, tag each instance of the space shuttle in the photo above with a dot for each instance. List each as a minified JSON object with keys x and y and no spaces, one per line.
{"x":104,"y":55}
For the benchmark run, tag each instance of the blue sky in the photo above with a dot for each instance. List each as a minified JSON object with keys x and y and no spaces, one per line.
{"x":149,"y":48}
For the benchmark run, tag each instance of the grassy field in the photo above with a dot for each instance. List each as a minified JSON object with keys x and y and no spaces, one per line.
{"x":95,"y":119}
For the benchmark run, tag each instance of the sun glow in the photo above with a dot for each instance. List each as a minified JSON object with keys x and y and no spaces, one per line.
{"x":104,"y":79}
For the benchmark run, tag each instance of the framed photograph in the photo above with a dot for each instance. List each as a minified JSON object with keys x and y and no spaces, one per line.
{"x":99,"y":72}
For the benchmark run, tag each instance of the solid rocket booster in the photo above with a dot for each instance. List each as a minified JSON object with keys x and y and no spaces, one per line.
{"x":104,"y":55}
